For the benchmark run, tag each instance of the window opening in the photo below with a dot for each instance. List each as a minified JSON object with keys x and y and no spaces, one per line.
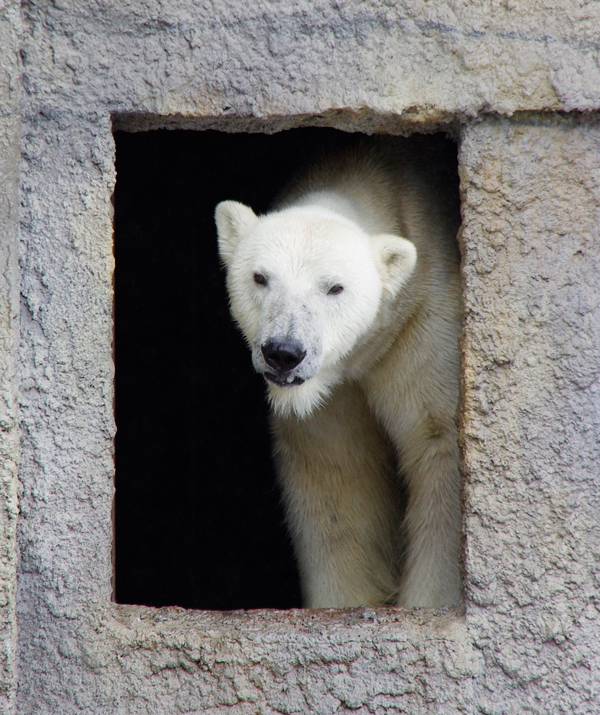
{"x":198,"y":518}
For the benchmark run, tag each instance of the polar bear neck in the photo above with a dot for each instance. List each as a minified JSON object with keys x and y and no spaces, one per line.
{"x":338,"y":204}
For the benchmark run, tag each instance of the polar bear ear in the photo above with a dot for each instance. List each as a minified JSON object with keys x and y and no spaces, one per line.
{"x":233,"y":219}
{"x":396,"y":258}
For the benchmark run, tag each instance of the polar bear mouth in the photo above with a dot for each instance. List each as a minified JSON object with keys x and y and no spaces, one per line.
{"x":283,"y":381}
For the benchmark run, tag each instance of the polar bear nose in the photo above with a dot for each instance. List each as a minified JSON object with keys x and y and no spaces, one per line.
{"x":283,"y":355}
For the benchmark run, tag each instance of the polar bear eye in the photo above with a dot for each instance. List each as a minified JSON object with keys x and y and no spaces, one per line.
{"x":335,"y":290}
{"x":259,"y":279}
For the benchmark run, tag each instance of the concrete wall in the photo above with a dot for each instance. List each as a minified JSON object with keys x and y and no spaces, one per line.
{"x":10,"y":126}
{"x":531,"y":416}
{"x":528,"y":640}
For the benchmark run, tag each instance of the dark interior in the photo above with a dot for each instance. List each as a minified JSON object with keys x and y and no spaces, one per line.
{"x":198,"y":521}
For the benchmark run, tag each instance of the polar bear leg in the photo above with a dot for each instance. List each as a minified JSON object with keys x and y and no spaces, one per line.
{"x":414,"y":394}
{"x":431,"y":576}
{"x":339,"y":486}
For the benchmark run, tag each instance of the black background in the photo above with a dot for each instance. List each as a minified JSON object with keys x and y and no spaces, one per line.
{"x":198,"y":521}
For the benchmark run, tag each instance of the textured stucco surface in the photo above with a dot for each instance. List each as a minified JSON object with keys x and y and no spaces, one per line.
{"x":10,"y":126}
{"x":531,"y":423}
{"x":380,"y":58}
{"x":137,"y":660}
{"x":531,"y":419}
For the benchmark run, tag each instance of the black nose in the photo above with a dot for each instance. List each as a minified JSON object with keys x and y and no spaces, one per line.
{"x":283,"y":355}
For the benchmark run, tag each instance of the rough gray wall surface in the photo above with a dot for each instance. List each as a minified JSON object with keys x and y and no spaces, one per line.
{"x":531,"y":199}
{"x":10,"y":130}
{"x":134,"y":660}
{"x":65,"y":529}
{"x":429,"y":60}
{"x":531,"y":421}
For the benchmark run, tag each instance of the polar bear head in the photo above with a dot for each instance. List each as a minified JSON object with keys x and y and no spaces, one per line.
{"x":305,"y":286}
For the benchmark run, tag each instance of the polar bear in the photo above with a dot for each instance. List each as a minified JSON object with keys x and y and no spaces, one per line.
{"x":348,"y":295}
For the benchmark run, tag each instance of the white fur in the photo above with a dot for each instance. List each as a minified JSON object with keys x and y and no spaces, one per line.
{"x":380,"y":375}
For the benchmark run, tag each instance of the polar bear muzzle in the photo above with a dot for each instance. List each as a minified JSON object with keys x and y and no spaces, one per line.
{"x":283,"y":355}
